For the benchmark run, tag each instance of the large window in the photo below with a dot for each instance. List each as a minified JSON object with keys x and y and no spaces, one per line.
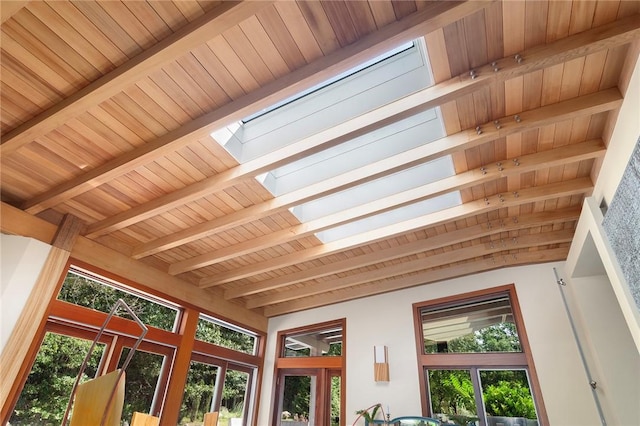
{"x":310,"y":375}
{"x":224,"y":364}
{"x":474,"y":359}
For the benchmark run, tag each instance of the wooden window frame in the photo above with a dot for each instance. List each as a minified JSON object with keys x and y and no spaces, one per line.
{"x":224,"y":365}
{"x":468,"y":361}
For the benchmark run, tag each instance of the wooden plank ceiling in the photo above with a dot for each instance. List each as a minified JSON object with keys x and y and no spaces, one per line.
{"x":107,"y":110}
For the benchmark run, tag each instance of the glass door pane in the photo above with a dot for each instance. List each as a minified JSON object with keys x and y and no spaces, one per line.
{"x":507,"y":398}
{"x":297,"y":401}
{"x":198,"y":393}
{"x":452,"y":396}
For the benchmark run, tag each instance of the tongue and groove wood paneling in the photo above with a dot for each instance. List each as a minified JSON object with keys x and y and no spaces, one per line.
{"x":52,"y":51}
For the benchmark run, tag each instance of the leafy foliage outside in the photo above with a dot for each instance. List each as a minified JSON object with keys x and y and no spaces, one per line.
{"x":210,"y":332}
{"x":335,"y":401}
{"x":198,"y":392}
{"x":201,"y":378}
{"x":297,"y":393}
{"x":83,"y":291}
{"x":46,"y":392}
{"x":502,"y":337}
{"x":234,"y":391}
{"x":505,"y":392}
{"x":509,"y":398}
{"x":452,"y":394}
{"x":141,"y":380}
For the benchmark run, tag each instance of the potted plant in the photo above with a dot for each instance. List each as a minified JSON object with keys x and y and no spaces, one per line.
{"x":369,"y":414}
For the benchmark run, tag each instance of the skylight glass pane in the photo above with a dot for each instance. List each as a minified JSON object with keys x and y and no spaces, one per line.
{"x":371,"y":87}
{"x":375,"y":190}
{"x":378,"y":145}
{"x":391,"y":217}
{"x":330,"y":81}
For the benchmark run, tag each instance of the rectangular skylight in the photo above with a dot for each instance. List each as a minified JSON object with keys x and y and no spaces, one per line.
{"x":392,"y":198}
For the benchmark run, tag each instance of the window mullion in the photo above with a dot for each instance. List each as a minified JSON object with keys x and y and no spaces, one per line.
{"x":110,"y":358}
{"x":217,"y":394}
{"x":467,"y":359}
{"x":477,"y":390}
{"x":163,"y":381}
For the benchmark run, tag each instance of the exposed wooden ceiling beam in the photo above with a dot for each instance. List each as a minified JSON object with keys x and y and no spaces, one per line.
{"x":432,"y":243}
{"x":581,"y":44}
{"x":430,"y":18}
{"x":544,"y":159}
{"x":8,"y":8}
{"x":498,"y":260}
{"x":411,"y":158}
{"x":198,"y":32}
{"x":575,"y":46}
{"x":422,"y":263}
{"x":586,"y":105}
{"x":524,"y":196}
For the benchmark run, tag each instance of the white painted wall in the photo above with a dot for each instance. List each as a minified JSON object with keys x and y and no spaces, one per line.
{"x":21,"y":260}
{"x":387,"y":320}
{"x":609,"y":348}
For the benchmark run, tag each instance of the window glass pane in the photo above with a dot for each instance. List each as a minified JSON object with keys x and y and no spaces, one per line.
{"x":198,"y":393}
{"x":234,"y":393}
{"x":507,"y":398}
{"x":327,"y":342}
{"x":46,"y":392}
{"x":478,"y":326}
{"x":83,"y":290}
{"x":212,"y":331}
{"x":452,"y":397}
{"x":141,"y":381}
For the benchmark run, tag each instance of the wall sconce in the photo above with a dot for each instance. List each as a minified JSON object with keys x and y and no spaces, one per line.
{"x":380,"y":364}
